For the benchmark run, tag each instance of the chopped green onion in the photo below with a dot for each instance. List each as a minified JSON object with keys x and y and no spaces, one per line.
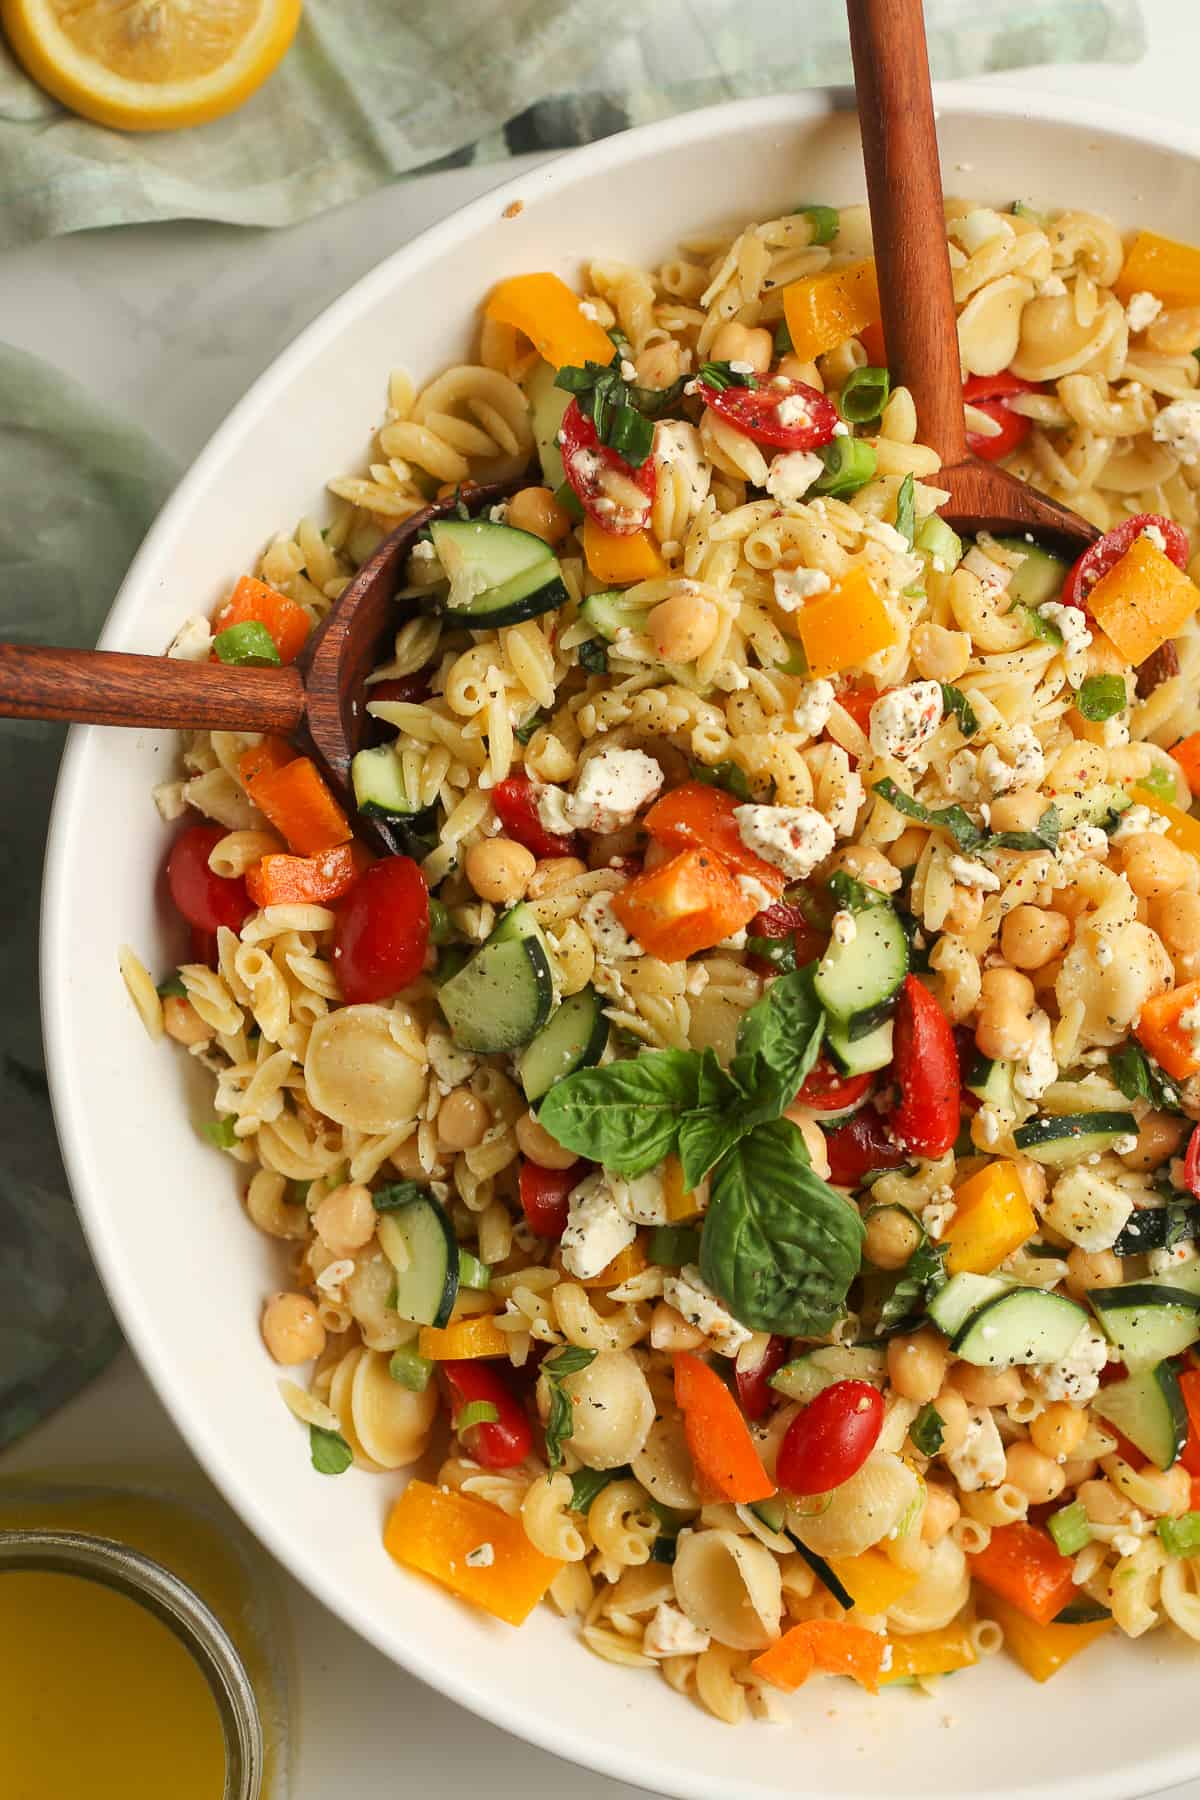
{"x":824,"y":221}
{"x":1180,"y":1537}
{"x":849,"y":464}
{"x":864,"y":395}
{"x":1102,"y":697}
{"x":721,"y":375}
{"x":410,"y":1370}
{"x":939,"y":543}
{"x":566,"y":497}
{"x":1069,"y":1528}
{"x":1159,"y":782}
{"x":587,"y":1483}
{"x":249,"y":645}
{"x":471,"y":1272}
{"x":441,"y":926}
{"x":725,"y":775}
{"x":219,"y":1132}
{"x":593,"y":656}
{"x":906,"y":511}
{"x":331,"y":1454}
{"x":783,"y":345}
{"x":927,"y":1430}
{"x":172,"y":988}
{"x":476,"y":1412}
{"x":671,"y":1246}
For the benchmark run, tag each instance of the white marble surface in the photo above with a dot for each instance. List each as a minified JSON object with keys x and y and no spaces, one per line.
{"x":168,"y":324}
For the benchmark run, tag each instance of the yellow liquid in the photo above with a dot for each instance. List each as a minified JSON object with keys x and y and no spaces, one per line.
{"x":101,"y":1700}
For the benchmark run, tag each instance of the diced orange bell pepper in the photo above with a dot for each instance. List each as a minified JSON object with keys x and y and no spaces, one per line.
{"x":1161,"y":266}
{"x":931,"y":1653}
{"x":618,"y":560}
{"x":1187,"y":754}
{"x":1143,"y":600}
{"x":434,"y":1531}
{"x":263,"y":758}
{"x":992,"y":1218}
{"x":1160,"y":1030}
{"x":824,"y":310}
{"x":545,"y":310}
{"x":699,"y":817}
{"x":1182,"y":829}
{"x":841,"y":629}
{"x":688,"y":904}
{"x":681,"y":1203}
{"x":1022,"y":1564}
{"x":872,"y":341}
{"x":279,"y":880}
{"x":462,"y":1340}
{"x":253,"y":601}
{"x":872,"y":1580}
{"x":624,"y":1266}
{"x":1041,"y":1650}
{"x":726,"y":1460}
{"x":300,"y":806}
{"x":829,"y":1644}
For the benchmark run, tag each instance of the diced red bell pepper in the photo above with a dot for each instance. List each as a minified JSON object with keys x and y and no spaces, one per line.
{"x":1108,"y":550}
{"x":787,"y":415}
{"x":990,"y":394}
{"x":699,"y":817}
{"x":926,"y":1067}
{"x":544,"y":1196}
{"x":515,"y":801}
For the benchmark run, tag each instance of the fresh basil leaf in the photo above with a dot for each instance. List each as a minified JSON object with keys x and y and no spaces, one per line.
{"x":927,"y":1430}
{"x":954,"y":819}
{"x":524,"y":732}
{"x":587,"y":1483}
{"x":1044,"y":835}
{"x":626,"y":1115}
{"x":725,"y":775}
{"x":1102,"y":697}
{"x":582,"y":380}
{"x":654,"y":402}
{"x":705,"y":1137}
{"x":671,"y":1246}
{"x":1140,"y":1079}
{"x":864,"y":395}
{"x":171,"y":988}
{"x":922,"y":1276}
{"x":825,"y":222}
{"x":331,"y":1454}
{"x":721,"y":375}
{"x":778,"y":1042}
{"x":783,"y":345}
{"x":955,"y":701}
{"x":631,"y":435}
{"x":852,"y":895}
{"x":396,"y":1195}
{"x":906,"y":511}
{"x":617,"y":338}
{"x":560,"y":1422}
{"x":593,"y":656}
{"x":779,"y":952}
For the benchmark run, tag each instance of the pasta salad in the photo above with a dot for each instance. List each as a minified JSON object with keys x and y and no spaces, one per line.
{"x":742,"y":1149}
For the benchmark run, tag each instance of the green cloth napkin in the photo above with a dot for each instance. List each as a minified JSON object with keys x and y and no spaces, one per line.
{"x":78,"y":491}
{"x":372,"y":90}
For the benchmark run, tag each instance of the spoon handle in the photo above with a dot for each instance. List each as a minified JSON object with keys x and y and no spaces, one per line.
{"x":895,"y":110}
{"x":103,"y":687}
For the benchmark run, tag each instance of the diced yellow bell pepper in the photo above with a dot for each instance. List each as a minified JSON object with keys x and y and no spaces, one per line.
{"x":624,"y":1266}
{"x":681,"y":1206}
{"x":992,"y":1218}
{"x":477,"y":1336}
{"x":1041,"y":1650}
{"x":1160,"y":266}
{"x":824,"y":310}
{"x":872,"y":1580}
{"x":618,"y":559}
{"x":1182,"y":829}
{"x":841,"y":629}
{"x":548,"y":313}
{"x":931,"y":1653}
{"x":435,"y":1531}
{"x":1143,"y":600}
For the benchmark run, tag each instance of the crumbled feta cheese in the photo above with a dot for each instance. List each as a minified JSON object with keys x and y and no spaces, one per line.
{"x":1015,"y":759}
{"x":742,"y":368}
{"x":1126,"y":1543}
{"x":334,"y":1275}
{"x":677,"y":445}
{"x":793,"y":838}
{"x":1178,"y":427}
{"x":1161,"y":1262}
{"x":498,"y":513}
{"x":794,"y":586}
{"x":886,"y":534}
{"x":974,"y":874}
{"x":979,"y":227}
{"x":1142,"y":310}
{"x":450,"y":1064}
{"x":1037,"y":1068}
{"x":642,"y":1198}
{"x":691,"y":1296}
{"x":1137,"y":819}
{"x":481,"y":1557}
{"x":904,"y":719}
{"x":813,"y":706}
{"x":792,"y":473}
{"x":1079,"y":842}
{"x":938,"y":1213}
{"x":628,"y":371}
{"x":605,"y":932}
{"x":1053,"y":288}
{"x":994,"y":576}
{"x":589,"y":311}
{"x":1104,"y":953}
{"x":841,"y":429}
{"x":1154,"y":536}
{"x":730,"y":677}
{"x":1071,"y":623}
{"x":597,"y":1229}
{"x":169,"y":798}
{"x":794,"y":409}
{"x":192,"y":642}
{"x":961,"y":776}
{"x":843,"y":928}
{"x":735,"y":941}
{"x":553,"y":808}
{"x":990,"y":1125}
{"x":978,"y":1462}
{"x":1077,"y":1376}
{"x":671,"y":1633}
{"x":612,"y":789}
{"x":1088,"y":1208}
{"x":755,"y":891}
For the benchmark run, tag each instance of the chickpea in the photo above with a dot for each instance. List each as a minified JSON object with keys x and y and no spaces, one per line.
{"x":536,"y":1143}
{"x":1179,"y":929}
{"x":1159,"y":1136}
{"x":683,"y":627}
{"x":955,"y":1416}
{"x":941,"y":1512}
{"x":1018,"y":811}
{"x":1059,"y":1431}
{"x":797,"y":370}
{"x":940,"y":654}
{"x":916,"y":1366}
{"x":500,"y":870}
{"x":1030,"y":936}
{"x":345,"y":1219}
{"x":1037,"y":1476}
{"x":1003,"y":1029}
{"x":291,"y":1329}
{"x":669,"y":1330}
{"x":182,"y":1022}
{"x":659,"y":364}
{"x":905,"y":851}
{"x":1103,"y":1503}
{"x":462,"y":1121}
{"x":814,"y":1138}
{"x":1154,"y":866}
{"x":741,"y":343}
{"x":891,"y":1238}
{"x":965,"y":910}
{"x":1078,"y":1469}
{"x":407,"y":1161}
{"x":1088,"y":1269}
{"x":552,"y":873}
{"x":1175,"y":332}
{"x":535,"y":509}
{"x":986,"y":1387}
{"x":869,"y":865}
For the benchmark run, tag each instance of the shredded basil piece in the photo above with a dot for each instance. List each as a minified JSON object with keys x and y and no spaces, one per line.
{"x":927,"y":1430}
{"x":783,"y":345}
{"x":587,"y":1483}
{"x":1102,"y":697}
{"x":825,"y":221}
{"x":533,"y":723}
{"x":864,"y":394}
{"x":610,"y":402}
{"x":956,"y":703}
{"x":593,"y":656}
{"x":954,"y":819}
{"x":906,"y":511}
{"x":331,"y":1454}
{"x":1045,"y":629}
{"x":671,"y":1246}
{"x":1140,"y":1079}
{"x":1159,"y":1228}
{"x":853,"y":895}
{"x":172,"y":988}
{"x":1044,"y":835}
{"x":560,"y":1424}
{"x":779,"y":952}
{"x":721,"y":375}
{"x":923,"y":1275}
{"x":725,"y":775}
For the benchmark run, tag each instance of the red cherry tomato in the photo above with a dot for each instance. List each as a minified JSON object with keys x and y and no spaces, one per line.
{"x":587,"y":461}
{"x":382,"y":931}
{"x":756,"y":412}
{"x":411,"y":688}
{"x":926,"y":1068}
{"x":1107,"y":551}
{"x":990,"y":394}
{"x":754,"y":1391}
{"x":827,"y":1090}
{"x":515,"y":801}
{"x":499,"y":1443}
{"x":204,"y":947}
{"x":860,"y":1147}
{"x":786,"y":920}
{"x":858,"y":703}
{"x":831,"y":1439}
{"x":207,"y":901}
{"x":544,"y":1196}
{"x":1191,"y":1164}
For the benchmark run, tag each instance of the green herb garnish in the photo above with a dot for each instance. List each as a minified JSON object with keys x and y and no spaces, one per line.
{"x":608,"y":400}
{"x":1140,"y":1079}
{"x":1102,"y":697}
{"x":824,"y":220}
{"x":721,"y":375}
{"x":526,"y":729}
{"x":593,"y":656}
{"x":725,"y":775}
{"x":441,"y":926}
{"x":779,"y":952}
{"x":587,"y":1483}
{"x":958,"y":706}
{"x":906,"y":511}
{"x":219,"y":1132}
{"x":397,"y":1195}
{"x":927,"y":1430}
{"x":560,"y":1424}
{"x":171,"y":988}
{"x":331,"y":1454}
{"x":671,"y":1246}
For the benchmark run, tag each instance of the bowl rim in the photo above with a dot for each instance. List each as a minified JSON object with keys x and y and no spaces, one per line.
{"x":641,"y":1769}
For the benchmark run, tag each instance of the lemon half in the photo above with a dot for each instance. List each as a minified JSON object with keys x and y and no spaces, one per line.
{"x":150,"y":65}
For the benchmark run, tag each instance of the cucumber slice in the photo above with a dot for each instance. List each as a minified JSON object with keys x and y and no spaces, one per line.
{"x":501,"y":999}
{"x":609,"y":612}
{"x":1146,"y":1321}
{"x":808,"y":1375}
{"x":574,"y":1039}
{"x":498,"y":575}
{"x":963,"y":1295}
{"x":517,"y":923}
{"x":1069,"y":1137}
{"x":1039,"y":578}
{"x":1024,"y":1325}
{"x":1093,"y":806}
{"x":1147,"y":1408}
{"x":379,"y":789}
{"x":547,"y":405}
{"x":857,"y":1056}
{"x":992,"y":1082}
{"x":942,"y":545}
{"x":1151,"y":1227}
{"x":419,"y":1242}
{"x":856,"y":983}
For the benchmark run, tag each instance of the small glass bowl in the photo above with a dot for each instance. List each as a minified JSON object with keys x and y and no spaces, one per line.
{"x":174,"y":1603}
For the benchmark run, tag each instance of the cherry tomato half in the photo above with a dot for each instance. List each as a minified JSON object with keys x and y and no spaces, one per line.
{"x":498,"y":1443}
{"x":587,"y":461}
{"x":1107,"y":551}
{"x":990,"y":394}
{"x":544,"y":1196}
{"x":926,"y":1065}
{"x":860,"y":1147}
{"x":789,"y":415}
{"x":515,"y":801}
{"x":411,"y":688}
{"x":1191,"y":1164}
{"x":826,"y":1090}
{"x":754,"y":1391}
{"x":831,"y":1439}
{"x":382,"y":931}
{"x":207,"y":901}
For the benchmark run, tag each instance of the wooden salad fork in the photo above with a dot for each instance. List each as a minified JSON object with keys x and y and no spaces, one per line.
{"x":899,"y":138}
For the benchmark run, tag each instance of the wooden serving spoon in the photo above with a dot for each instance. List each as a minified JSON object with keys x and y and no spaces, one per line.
{"x":899,"y":138}
{"x":319,"y":702}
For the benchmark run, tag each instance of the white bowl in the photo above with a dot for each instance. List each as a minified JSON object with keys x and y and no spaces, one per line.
{"x":185,"y":1271}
